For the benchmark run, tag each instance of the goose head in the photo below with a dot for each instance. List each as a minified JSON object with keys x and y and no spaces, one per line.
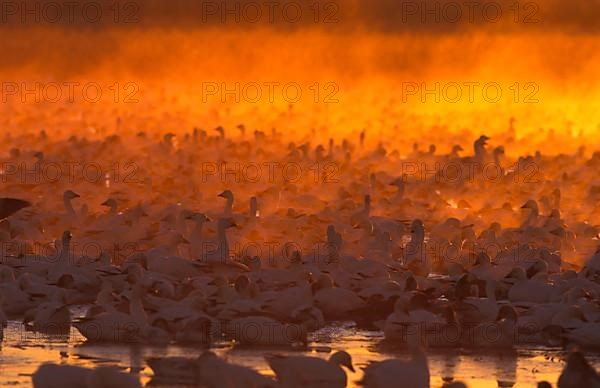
{"x":227,"y":194}
{"x":342,"y":358}
{"x":482,"y":141}
{"x":531,"y":205}
{"x":456,"y":149}
{"x":110,"y":203}
{"x":69,"y":195}
{"x":538,"y":267}
{"x":517,"y":274}
{"x":508,"y":313}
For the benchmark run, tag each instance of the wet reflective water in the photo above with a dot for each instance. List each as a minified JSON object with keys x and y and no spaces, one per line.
{"x":22,"y":352}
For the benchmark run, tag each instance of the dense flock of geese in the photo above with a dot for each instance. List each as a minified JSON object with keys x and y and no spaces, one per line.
{"x":430,"y":248}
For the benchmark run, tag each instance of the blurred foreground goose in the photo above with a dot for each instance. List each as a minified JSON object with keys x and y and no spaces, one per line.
{"x":304,"y":371}
{"x":9,"y":206}
{"x":214,"y":372}
{"x":208,"y":370}
{"x":578,"y":373}
{"x":53,"y":375}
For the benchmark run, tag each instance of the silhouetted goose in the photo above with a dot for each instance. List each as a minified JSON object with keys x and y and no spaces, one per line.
{"x":9,"y":206}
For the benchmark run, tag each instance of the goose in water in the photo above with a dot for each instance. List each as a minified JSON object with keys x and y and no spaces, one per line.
{"x":172,"y":370}
{"x":335,"y":302}
{"x":410,"y":316}
{"x":53,"y":375}
{"x":113,"y":325}
{"x":259,"y":330}
{"x":53,"y":316}
{"x":212,"y":371}
{"x":304,"y":371}
{"x":393,"y":373}
{"x":503,"y":333}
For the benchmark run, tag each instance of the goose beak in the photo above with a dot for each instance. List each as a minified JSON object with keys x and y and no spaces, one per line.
{"x":222,"y":195}
{"x":105,"y":203}
{"x":75,"y":195}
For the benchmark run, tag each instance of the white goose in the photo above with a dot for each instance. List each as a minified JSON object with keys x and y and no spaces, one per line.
{"x":53,"y":316}
{"x":335,"y":302}
{"x":304,"y":371}
{"x":196,"y":241}
{"x":259,"y":330}
{"x":228,"y":210}
{"x":115,"y":326}
{"x":393,"y":373}
{"x":212,"y":371}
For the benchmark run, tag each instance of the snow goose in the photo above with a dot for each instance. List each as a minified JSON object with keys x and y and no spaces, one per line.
{"x":260,"y":330}
{"x":53,"y":375}
{"x":475,"y":310}
{"x":68,"y":197}
{"x":196,"y":241}
{"x":410,"y":316}
{"x":52,"y":317}
{"x":415,"y":255}
{"x":528,"y":290}
{"x":115,"y":326}
{"x":304,"y":371}
{"x":363,"y":214}
{"x":15,"y":300}
{"x":228,"y":210}
{"x":336,"y":303}
{"x":503,"y":333}
{"x":221,"y":253}
{"x":394,"y":372}
{"x":400,"y":184}
{"x":212,"y":371}
{"x":578,"y":373}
